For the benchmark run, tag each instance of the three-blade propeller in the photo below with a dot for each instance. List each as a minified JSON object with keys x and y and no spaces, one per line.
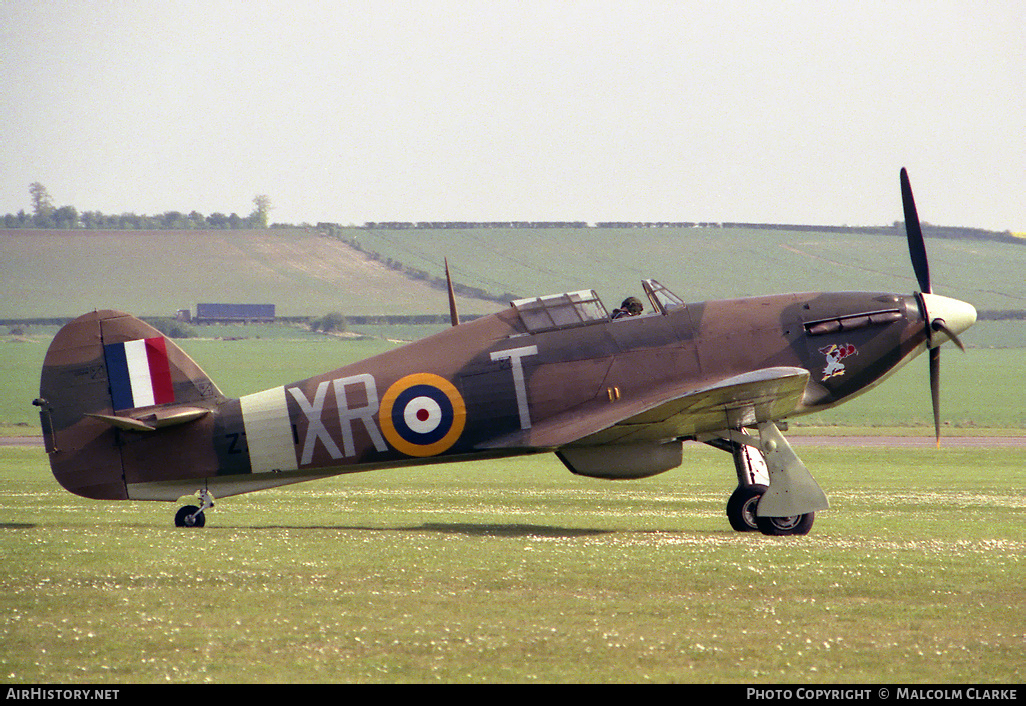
{"x":917,"y":251}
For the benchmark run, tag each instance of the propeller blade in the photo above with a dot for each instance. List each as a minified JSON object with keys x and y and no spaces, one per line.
{"x":914,"y":233}
{"x":935,"y":389}
{"x":941,"y":325}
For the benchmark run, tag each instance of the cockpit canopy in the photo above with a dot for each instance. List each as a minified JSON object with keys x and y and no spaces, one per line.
{"x":582,"y":308}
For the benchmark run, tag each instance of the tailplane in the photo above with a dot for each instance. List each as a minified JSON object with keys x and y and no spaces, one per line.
{"x":107,"y":373}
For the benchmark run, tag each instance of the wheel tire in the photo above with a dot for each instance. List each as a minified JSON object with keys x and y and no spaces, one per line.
{"x":785,"y":526}
{"x":182,"y":517}
{"x":741,"y":507}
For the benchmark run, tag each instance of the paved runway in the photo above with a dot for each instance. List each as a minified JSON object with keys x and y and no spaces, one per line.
{"x":21,"y":441}
{"x":912,"y":442}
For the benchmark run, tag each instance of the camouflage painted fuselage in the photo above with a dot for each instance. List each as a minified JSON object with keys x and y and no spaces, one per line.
{"x":489,"y":387}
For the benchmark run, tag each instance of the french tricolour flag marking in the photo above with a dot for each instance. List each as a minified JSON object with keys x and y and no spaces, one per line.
{"x":139,"y":373}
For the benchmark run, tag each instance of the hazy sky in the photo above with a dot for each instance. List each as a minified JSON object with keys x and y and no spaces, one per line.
{"x":794,"y":112}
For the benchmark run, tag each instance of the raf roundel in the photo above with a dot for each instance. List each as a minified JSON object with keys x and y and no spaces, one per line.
{"x":422,"y":414}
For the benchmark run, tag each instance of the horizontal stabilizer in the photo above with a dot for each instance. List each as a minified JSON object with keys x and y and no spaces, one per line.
{"x":126,"y":423}
{"x":166,"y":417}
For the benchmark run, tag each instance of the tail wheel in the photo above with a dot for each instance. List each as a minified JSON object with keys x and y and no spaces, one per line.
{"x":190,"y":516}
{"x":741,"y":507}
{"x":783,"y":526}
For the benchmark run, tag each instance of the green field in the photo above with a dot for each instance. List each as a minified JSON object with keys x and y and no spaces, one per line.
{"x":517,"y":571}
{"x":65,"y":273}
{"x":706,"y":263}
{"x":45,"y":274}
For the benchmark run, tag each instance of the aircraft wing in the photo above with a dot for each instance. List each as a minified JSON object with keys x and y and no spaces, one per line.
{"x":742,"y":400}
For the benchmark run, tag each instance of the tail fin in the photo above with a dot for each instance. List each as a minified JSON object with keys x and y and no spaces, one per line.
{"x":106,"y":372}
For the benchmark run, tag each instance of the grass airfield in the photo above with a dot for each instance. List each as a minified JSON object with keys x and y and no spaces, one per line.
{"x":517,"y":571}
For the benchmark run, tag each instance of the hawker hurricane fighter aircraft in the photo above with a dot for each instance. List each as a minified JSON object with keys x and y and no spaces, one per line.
{"x":127,"y":415}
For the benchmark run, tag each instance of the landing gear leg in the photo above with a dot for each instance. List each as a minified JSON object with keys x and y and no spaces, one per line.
{"x":192,"y":516}
{"x":775,"y":493}
{"x":752,"y":482}
{"x":789,"y":505}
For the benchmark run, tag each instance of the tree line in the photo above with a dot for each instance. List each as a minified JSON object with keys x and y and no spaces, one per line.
{"x":46,"y":215}
{"x":898,"y":228}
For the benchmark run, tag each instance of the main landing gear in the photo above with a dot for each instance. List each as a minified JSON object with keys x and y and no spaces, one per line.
{"x":762,"y":464}
{"x":742,"y":505}
{"x":192,"y":516}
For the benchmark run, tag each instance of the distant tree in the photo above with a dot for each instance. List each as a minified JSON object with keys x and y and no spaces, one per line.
{"x":42,"y":203}
{"x":131,"y":221}
{"x":44,"y":220}
{"x":91,"y":219}
{"x":217,"y":220}
{"x":172,"y":220}
{"x":330,"y":323}
{"x":19,"y":220}
{"x":65,"y":217}
{"x":261,"y":215}
{"x":173,"y":329}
